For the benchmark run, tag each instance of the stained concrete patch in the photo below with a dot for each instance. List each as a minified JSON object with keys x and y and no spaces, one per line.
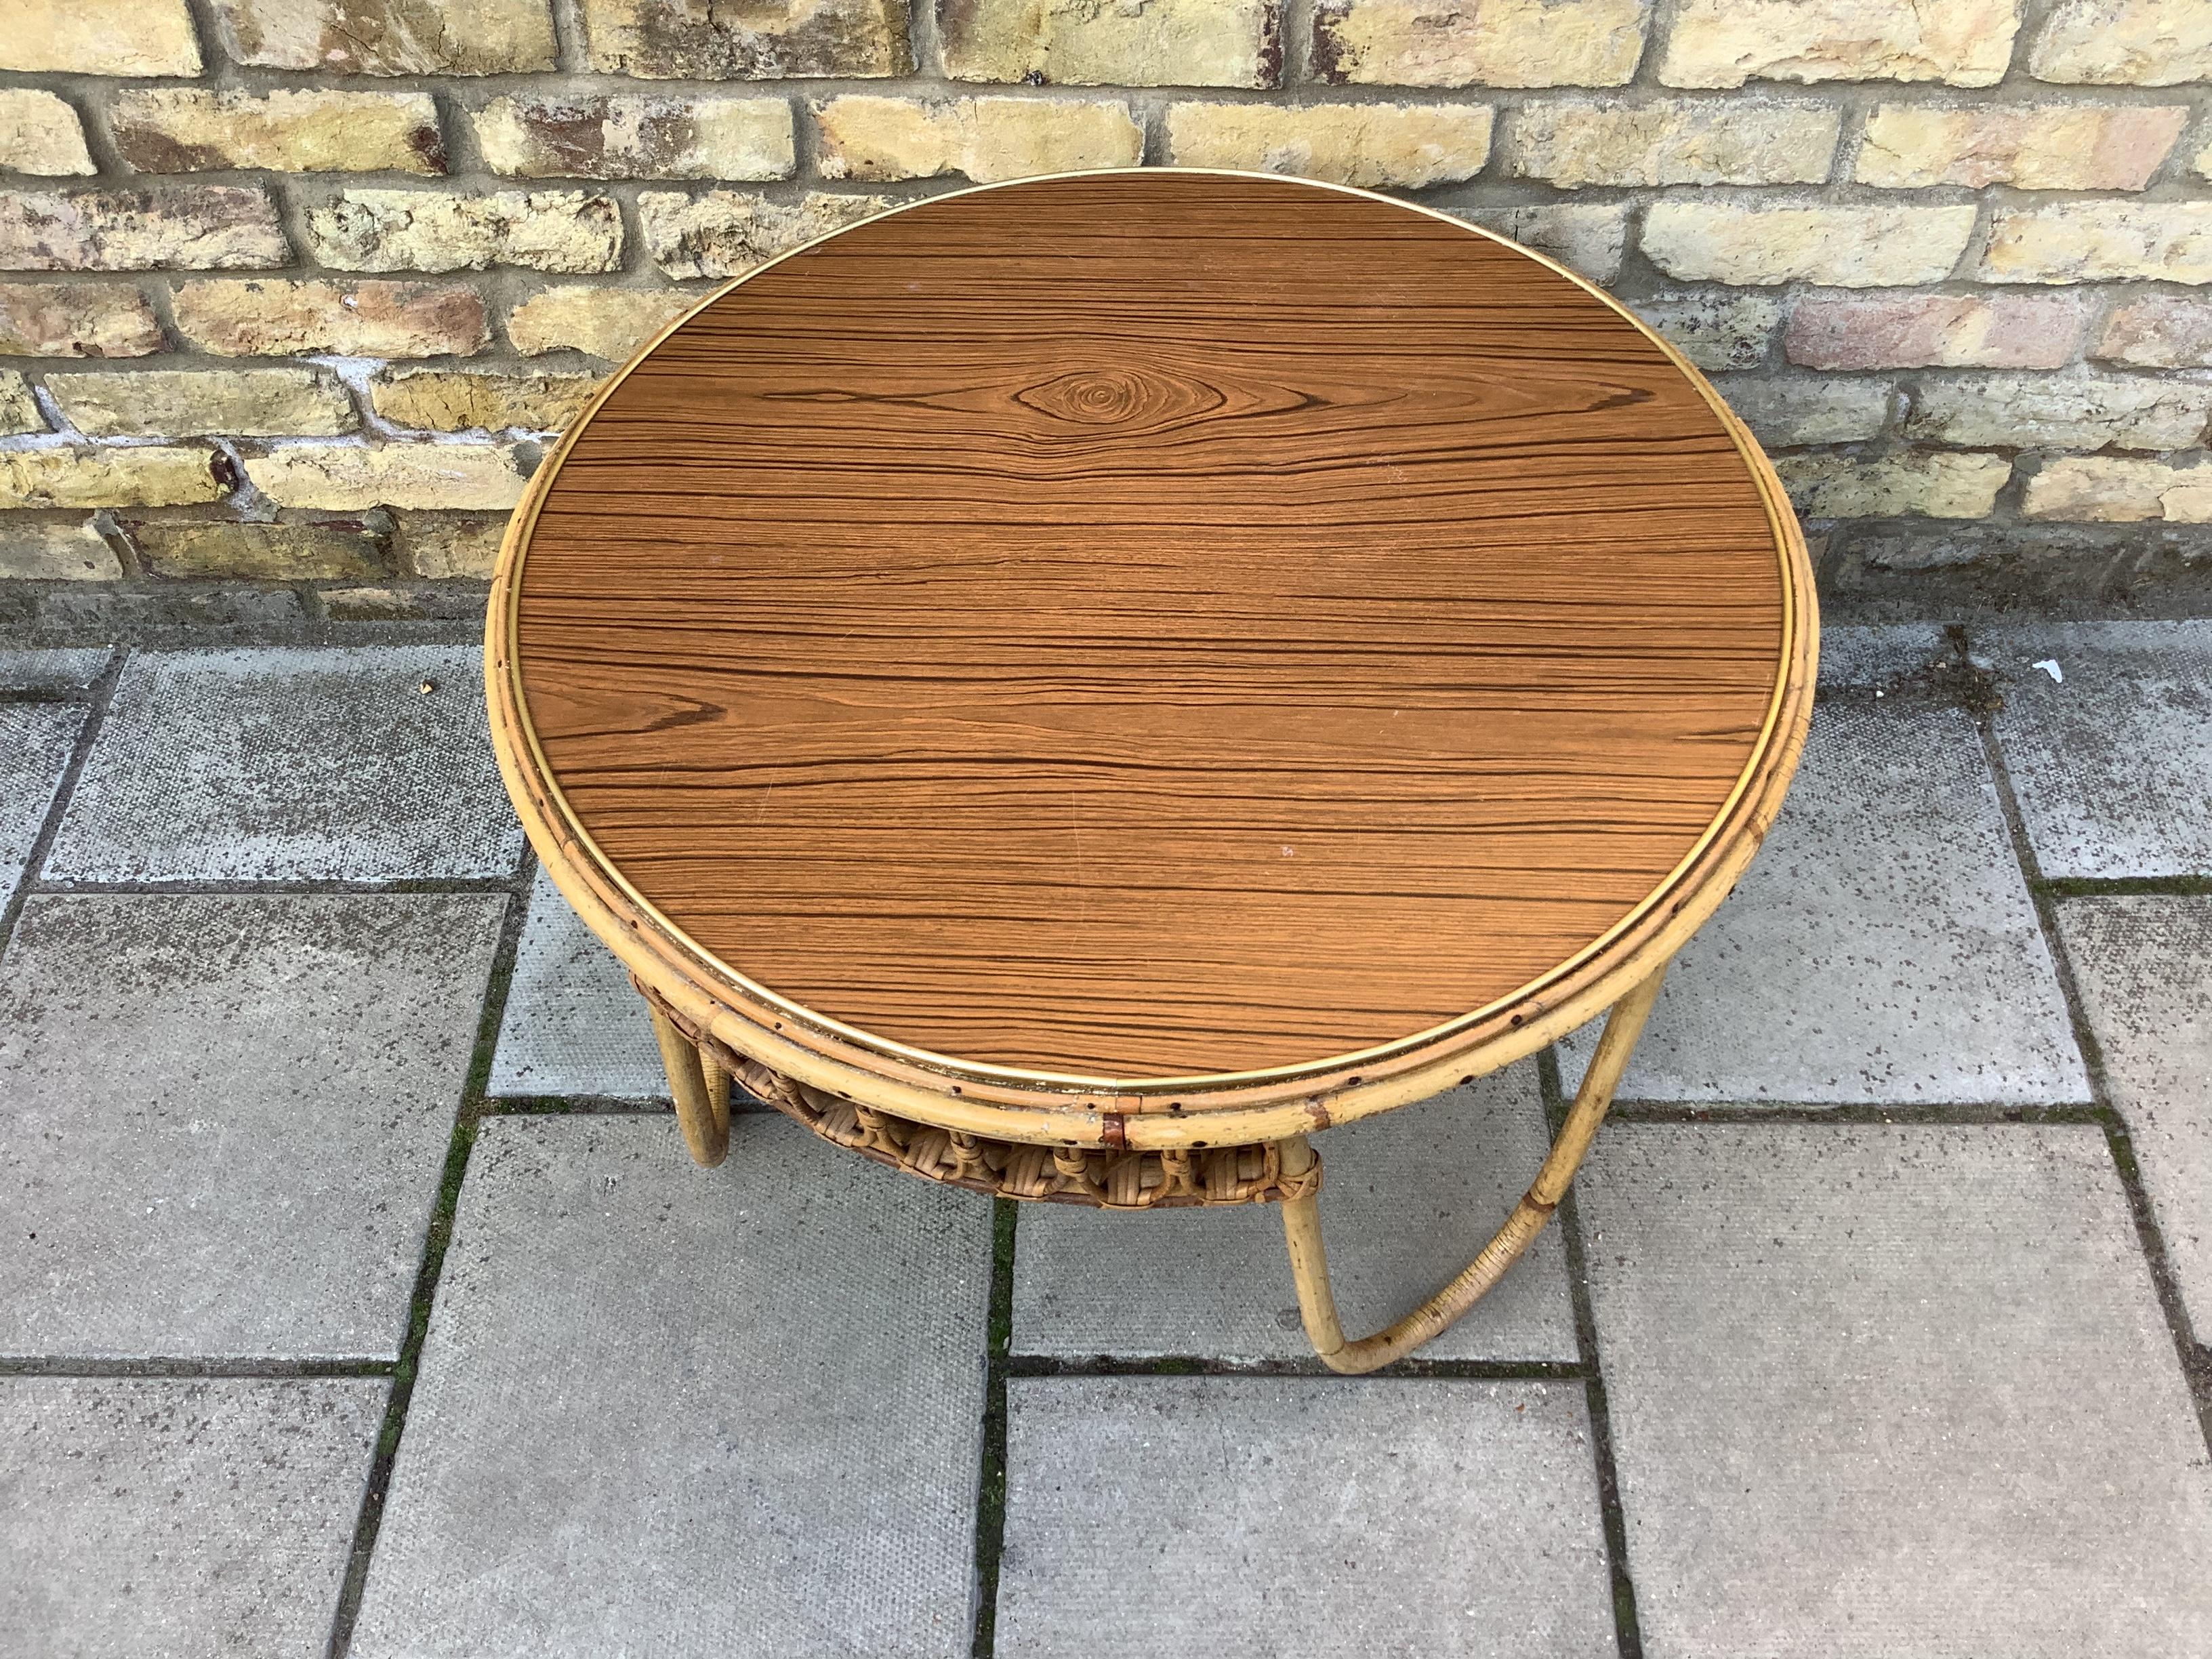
{"x":51,"y":671}
{"x":1879,"y":1390}
{"x":222,"y":1119}
{"x":665,"y":1409}
{"x":573,"y":1025}
{"x":1883,"y":947}
{"x":1408,"y":1199}
{"x":2144,"y":966}
{"x":36,"y":741}
{"x":1232,"y":1517}
{"x":2111,"y":763}
{"x":142,"y":1516}
{"x":291,"y":765}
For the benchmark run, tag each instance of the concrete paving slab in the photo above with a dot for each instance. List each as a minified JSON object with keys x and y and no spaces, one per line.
{"x":2112,"y":765}
{"x":1887,"y":1389}
{"x":1869,"y":659}
{"x":291,"y":765}
{"x":2144,"y":967}
{"x":1406,"y":1200}
{"x":223,"y":1118}
{"x":665,"y":1409}
{"x":51,"y":671}
{"x":1881,"y":949}
{"x":36,"y":741}
{"x":1236,"y":1517}
{"x":144,"y":1517}
{"x":573,"y":1024}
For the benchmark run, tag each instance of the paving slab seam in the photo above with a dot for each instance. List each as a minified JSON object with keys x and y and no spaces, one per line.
{"x":48,"y":696}
{"x":296,"y":632}
{"x":991,"y":1465}
{"x":741,"y":1104}
{"x":248,"y":889}
{"x":2069,"y":887}
{"x":1627,"y":1631}
{"x":247,"y":1366}
{"x":437,"y":1236}
{"x":1854,"y":1111}
{"x":578,"y":1106}
{"x":1414,"y":1368}
{"x":2196,"y":1362}
{"x":101,"y":693}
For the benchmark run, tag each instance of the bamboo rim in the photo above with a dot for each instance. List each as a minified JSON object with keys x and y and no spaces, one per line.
{"x":859,"y":1064}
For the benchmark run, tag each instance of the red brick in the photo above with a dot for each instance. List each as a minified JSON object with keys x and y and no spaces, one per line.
{"x":1925,"y":330}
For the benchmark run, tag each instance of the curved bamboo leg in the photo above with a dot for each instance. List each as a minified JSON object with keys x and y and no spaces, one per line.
{"x":1309,"y":1261}
{"x":703,"y":1111}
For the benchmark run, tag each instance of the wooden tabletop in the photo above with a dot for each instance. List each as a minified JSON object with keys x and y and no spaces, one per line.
{"x":1155,"y":624}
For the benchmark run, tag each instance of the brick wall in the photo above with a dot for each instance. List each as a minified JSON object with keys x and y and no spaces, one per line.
{"x":293,"y":292}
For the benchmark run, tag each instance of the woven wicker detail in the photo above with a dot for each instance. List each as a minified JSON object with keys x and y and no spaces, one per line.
{"x":1011,"y":1169}
{"x":1007,"y":1168}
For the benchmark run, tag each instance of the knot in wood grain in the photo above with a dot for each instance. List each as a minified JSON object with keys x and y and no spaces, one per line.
{"x":1126,"y":398}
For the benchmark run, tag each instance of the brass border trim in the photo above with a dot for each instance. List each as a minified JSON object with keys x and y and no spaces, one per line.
{"x":514,"y":549}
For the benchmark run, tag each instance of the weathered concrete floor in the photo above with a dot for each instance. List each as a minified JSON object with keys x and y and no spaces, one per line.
{"x":356,"y":1297}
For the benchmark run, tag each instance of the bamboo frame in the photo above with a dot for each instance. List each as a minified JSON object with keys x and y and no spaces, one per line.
{"x":700,"y":1072}
{"x":1310,"y":1258}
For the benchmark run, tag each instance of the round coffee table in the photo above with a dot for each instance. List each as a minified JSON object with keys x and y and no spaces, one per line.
{"x":1070,"y":688}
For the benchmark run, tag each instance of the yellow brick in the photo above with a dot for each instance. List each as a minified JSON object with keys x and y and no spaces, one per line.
{"x":443,"y":548}
{"x":1724,"y":43}
{"x":1082,"y":43}
{"x":347,"y":478}
{"x":636,"y":138}
{"x":1478,"y":43}
{"x":697,"y":40}
{"x":2057,"y":147}
{"x":19,"y":410}
{"x":40,"y":134}
{"x":1675,"y":140}
{"x":186,"y":128}
{"x":99,"y":36}
{"x":391,"y":37}
{"x":146,"y":475}
{"x":2119,"y":43}
{"x":197,"y":227}
{"x":77,"y":320}
{"x":604,"y":322}
{"x":726,"y":233}
{"x":427,"y":230}
{"x":1936,"y":485}
{"x":2101,"y":241}
{"x":460,"y":400}
{"x":32,"y":549}
{"x":278,"y":318}
{"x":2104,"y":489}
{"x":867,"y":136}
{"x":256,"y":552}
{"x":204,"y":403}
{"x":1401,"y":146}
{"x":1845,"y":246}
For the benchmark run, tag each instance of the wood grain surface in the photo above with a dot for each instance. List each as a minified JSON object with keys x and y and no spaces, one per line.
{"x":1150,"y":624}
